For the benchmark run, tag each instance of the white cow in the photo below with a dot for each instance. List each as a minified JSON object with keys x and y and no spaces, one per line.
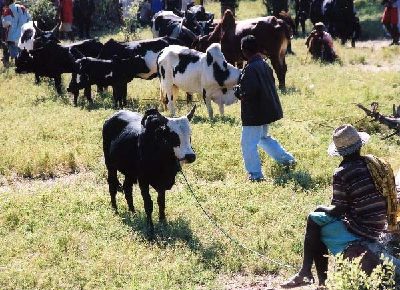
{"x":195,"y":72}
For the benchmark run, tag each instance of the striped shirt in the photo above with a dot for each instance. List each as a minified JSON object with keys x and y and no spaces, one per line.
{"x":354,"y":187}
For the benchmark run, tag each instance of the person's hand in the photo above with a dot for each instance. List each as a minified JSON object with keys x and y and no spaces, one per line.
{"x":238,"y":92}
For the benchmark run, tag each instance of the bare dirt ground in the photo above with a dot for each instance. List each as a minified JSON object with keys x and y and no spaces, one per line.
{"x":392,"y":65}
{"x":258,"y":282}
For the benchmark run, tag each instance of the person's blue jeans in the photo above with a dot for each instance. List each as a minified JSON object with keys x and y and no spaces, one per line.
{"x":13,"y":49}
{"x":253,"y":136}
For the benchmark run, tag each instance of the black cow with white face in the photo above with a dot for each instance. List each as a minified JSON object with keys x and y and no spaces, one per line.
{"x":53,"y":59}
{"x":116,"y":73}
{"x":147,"y":150}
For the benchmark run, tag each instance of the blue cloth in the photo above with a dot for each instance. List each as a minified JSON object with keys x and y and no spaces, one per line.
{"x":156,"y":5}
{"x":334,"y":233}
{"x":13,"y":18}
{"x":13,"y":49}
{"x":258,"y":135}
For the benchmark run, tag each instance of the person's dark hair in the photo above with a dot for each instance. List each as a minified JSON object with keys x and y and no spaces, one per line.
{"x":249,"y":43}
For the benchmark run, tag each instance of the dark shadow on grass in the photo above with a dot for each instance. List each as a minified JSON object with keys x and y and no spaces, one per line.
{"x":300,"y":178}
{"x":231,"y":120}
{"x":171,"y":233}
{"x":289,"y":90}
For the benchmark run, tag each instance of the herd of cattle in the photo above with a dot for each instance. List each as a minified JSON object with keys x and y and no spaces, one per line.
{"x":190,"y":52}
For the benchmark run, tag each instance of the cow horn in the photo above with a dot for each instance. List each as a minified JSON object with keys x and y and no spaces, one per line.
{"x":54,"y":30}
{"x":38,"y":30}
{"x":191,"y":113}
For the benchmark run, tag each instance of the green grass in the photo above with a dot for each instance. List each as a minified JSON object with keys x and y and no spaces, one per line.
{"x":62,"y":234}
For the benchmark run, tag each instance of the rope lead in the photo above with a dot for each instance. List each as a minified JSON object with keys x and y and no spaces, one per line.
{"x":232,"y":239}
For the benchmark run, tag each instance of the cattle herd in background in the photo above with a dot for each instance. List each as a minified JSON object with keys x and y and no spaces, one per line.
{"x":192,"y":47}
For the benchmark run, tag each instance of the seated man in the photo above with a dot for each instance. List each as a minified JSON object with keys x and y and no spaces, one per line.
{"x":320,"y":44}
{"x":362,"y":206}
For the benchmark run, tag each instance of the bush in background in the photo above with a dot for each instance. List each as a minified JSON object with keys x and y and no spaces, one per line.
{"x":42,"y":11}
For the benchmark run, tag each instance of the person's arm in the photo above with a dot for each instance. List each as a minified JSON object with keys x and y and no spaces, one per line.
{"x":340,"y":204}
{"x":248,"y":83}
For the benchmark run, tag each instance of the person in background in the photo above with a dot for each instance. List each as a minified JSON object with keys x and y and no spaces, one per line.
{"x":83,"y":11}
{"x":144,"y":13}
{"x":13,"y":17}
{"x":3,"y":41}
{"x":320,"y":44}
{"x":260,"y":106}
{"x":363,"y":188}
{"x":390,"y":19}
{"x":65,"y":14}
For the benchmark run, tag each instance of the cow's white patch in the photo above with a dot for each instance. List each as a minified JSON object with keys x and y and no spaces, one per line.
{"x":109,"y":75}
{"x":181,"y":127}
{"x":78,"y":78}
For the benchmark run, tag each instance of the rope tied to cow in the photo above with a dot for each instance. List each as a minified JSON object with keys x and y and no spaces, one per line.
{"x":225,"y":233}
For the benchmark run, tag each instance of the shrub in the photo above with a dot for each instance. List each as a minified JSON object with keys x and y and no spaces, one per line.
{"x":107,"y":13}
{"x":44,"y":12}
{"x":348,"y":275}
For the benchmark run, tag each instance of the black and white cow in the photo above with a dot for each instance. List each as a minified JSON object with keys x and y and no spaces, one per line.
{"x":116,"y":73}
{"x":147,"y":150}
{"x":32,"y":37}
{"x":167,"y":23}
{"x":195,"y":72}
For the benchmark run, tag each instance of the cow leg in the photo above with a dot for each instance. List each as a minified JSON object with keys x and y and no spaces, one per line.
{"x":170,"y":104}
{"x":57,"y":84}
{"x":124,"y":93}
{"x":161,"y":206}
{"x":303,"y":26}
{"x":148,"y":205}
{"x":221,"y":108}
{"x":209,"y":107}
{"x":189,"y":98}
{"x":37,"y":79}
{"x":128,"y":184}
{"x":88,"y":94}
{"x":279,"y":65}
{"x":76,"y":95}
{"x":113,"y":187}
{"x":115,"y":96}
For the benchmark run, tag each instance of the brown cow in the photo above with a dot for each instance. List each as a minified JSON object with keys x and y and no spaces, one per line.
{"x":272,"y":34}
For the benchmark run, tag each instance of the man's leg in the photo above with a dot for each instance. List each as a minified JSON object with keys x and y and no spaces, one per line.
{"x":312,"y":248}
{"x":274,"y":149}
{"x":250,"y":138}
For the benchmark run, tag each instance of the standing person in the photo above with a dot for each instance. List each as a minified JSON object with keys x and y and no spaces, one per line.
{"x":13,"y":17}
{"x":3,"y":41}
{"x":390,"y":19}
{"x":65,"y":13}
{"x":364,"y":205}
{"x":260,"y":106}
{"x":83,"y":11}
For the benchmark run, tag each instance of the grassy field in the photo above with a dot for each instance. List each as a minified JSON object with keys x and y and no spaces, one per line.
{"x":57,"y":229}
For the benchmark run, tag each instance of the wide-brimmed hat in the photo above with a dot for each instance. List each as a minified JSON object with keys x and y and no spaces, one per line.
{"x":319,"y":24}
{"x":347,"y":140}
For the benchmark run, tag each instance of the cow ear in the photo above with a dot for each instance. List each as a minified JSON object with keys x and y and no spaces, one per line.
{"x":191,"y":113}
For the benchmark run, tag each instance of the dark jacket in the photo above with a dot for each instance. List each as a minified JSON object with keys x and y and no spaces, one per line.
{"x":260,"y":101}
